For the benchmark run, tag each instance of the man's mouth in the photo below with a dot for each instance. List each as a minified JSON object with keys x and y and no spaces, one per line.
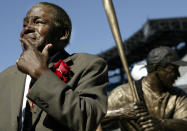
{"x":30,"y":36}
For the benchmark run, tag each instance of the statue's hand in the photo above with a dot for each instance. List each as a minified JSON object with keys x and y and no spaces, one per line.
{"x":128,"y":112}
{"x":145,"y":120}
{"x":150,"y":123}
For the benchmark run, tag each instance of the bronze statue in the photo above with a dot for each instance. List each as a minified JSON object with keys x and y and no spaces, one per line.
{"x":162,"y":108}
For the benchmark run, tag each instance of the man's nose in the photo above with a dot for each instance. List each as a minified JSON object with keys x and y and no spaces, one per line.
{"x":27,"y":30}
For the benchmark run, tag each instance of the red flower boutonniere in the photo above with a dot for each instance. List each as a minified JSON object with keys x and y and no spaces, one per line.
{"x":62,"y":70}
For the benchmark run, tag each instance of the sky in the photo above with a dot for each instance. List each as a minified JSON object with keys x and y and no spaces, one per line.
{"x":91,"y":32}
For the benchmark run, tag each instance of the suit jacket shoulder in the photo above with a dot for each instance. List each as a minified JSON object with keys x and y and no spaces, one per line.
{"x":86,"y":58}
{"x":9,"y":70}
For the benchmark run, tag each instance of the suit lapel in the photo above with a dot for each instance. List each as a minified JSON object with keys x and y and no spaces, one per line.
{"x":17,"y":100}
{"x":17,"y":90}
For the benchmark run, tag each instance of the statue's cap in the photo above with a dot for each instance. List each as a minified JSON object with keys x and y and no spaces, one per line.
{"x":164,"y":55}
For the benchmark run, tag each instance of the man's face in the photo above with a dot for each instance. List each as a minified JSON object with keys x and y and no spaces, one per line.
{"x":168,"y":75}
{"x":38,"y":27}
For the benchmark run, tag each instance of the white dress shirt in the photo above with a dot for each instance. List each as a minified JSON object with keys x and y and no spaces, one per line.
{"x":27,"y":84}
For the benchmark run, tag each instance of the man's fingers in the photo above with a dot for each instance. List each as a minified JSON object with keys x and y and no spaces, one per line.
{"x":25,"y":44}
{"x":46,"y":49}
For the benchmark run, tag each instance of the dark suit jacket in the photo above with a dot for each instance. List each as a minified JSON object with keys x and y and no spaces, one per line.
{"x":77,"y":105}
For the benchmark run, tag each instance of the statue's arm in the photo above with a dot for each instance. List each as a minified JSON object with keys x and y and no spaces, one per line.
{"x":120,"y":104}
{"x":125,"y":112}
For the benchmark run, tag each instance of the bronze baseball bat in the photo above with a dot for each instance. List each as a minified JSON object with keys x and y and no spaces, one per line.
{"x":111,"y":15}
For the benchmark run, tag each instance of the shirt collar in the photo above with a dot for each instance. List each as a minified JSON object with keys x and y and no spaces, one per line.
{"x":66,"y":57}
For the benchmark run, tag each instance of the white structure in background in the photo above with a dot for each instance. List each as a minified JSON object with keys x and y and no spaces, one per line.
{"x":139,"y":70}
{"x":182,"y":81}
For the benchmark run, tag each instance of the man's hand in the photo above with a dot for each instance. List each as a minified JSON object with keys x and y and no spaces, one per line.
{"x":32,"y":61}
{"x":145,"y":120}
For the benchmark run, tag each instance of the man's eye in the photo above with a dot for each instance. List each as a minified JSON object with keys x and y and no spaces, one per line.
{"x":39,"y":22}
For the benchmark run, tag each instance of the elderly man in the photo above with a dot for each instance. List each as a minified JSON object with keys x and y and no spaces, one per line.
{"x":49,"y":89}
{"x":163,"y":107}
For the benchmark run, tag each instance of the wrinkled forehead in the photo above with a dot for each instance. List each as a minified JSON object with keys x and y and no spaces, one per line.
{"x":40,"y":11}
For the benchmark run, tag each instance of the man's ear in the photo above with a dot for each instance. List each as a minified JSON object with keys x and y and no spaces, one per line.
{"x":65,"y":36}
{"x":64,"y":40}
